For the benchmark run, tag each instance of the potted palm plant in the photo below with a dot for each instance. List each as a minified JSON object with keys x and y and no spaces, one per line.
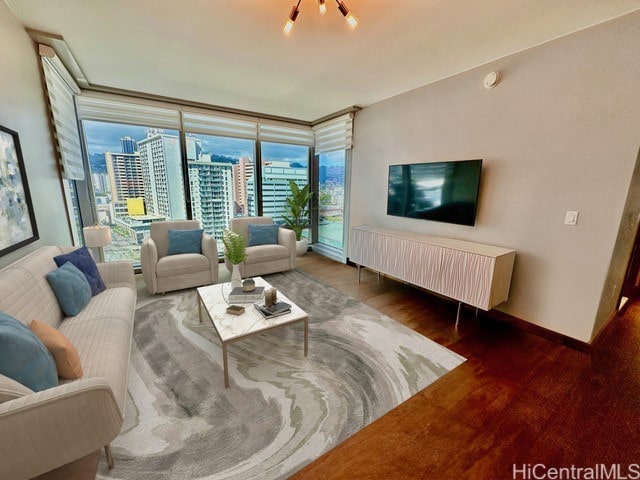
{"x":235,"y":252}
{"x":297,"y":217}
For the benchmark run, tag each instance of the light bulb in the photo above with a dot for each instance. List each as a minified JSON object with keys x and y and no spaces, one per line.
{"x":288,"y":27}
{"x":292,"y":18}
{"x":322,"y":7}
{"x":352,"y":21}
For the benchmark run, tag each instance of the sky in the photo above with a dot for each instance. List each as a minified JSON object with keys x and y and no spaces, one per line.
{"x":103,"y":137}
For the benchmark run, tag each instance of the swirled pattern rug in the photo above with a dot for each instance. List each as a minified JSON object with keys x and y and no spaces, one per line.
{"x":282,"y":409}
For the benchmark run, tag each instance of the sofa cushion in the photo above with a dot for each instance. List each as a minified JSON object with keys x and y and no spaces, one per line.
{"x":172,"y":265}
{"x":71,"y":288}
{"x":185,"y":241}
{"x":83,"y":261}
{"x":262,"y":234}
{"x":10,"y":389}
{"x":23,"y":357}
{"x":266,"y":253}
{"x":64,"y":353}
{"x":102,"y":335}
{"x":26,"y":294}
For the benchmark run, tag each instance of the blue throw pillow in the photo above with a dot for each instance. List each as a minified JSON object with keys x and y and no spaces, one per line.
{"x":71,"y":288}
{"x":263,"y":234}
{"x":185,"y":241}
{"x":83,"y":260}
{"x":23,"y":357}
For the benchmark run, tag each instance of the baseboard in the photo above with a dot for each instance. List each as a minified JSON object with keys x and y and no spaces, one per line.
{"x":543,"y":332}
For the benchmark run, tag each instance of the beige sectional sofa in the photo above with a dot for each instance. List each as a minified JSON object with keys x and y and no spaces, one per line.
{"x":41,"y":431}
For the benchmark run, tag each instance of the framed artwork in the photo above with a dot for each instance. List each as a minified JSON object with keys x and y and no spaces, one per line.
{"x":17,"y":221}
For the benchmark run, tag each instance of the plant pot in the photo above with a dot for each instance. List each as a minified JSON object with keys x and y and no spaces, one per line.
{"x":301,"y":247}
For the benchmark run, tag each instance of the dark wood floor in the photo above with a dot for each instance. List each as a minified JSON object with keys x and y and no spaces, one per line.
{"x":518,"y":399}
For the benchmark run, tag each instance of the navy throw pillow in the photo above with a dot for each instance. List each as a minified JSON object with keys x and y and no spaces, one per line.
{"x":185,"y":241}
{"x":71,"y":288}
{"x":263,"y":234}
{"x":23,"y":357}
{"x":82,"y":259}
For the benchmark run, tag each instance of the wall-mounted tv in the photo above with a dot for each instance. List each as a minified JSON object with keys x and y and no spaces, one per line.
{"x":440,"y":191}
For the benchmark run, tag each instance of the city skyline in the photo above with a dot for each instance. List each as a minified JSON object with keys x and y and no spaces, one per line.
{"x":105,"y":137}
{"x":143,"y":182}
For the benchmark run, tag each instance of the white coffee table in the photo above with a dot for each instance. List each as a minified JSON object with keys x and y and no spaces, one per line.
{"x":231,"y":328}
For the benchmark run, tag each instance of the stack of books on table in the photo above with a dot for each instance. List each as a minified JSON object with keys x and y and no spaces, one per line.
{"x":275,"y":310}
{"x":238,"y":295}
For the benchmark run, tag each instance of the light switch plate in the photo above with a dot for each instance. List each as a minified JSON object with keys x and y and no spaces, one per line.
{"x":571,"y":218}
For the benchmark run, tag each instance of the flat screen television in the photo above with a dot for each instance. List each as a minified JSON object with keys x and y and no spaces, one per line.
{"x":440,"y":191}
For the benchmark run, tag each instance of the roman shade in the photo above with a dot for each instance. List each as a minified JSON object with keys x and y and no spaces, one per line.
{"x":290,"y":133}
{"x":106,"y":109}
{"x":334,"y":134}
{"x":219,"y":124}
{"x":61,"y":92}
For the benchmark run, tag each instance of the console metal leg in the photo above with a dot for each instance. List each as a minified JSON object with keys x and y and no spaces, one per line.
{"x":359,"y":269}
{"x":458,"y":315}
{"x":476,"y":313}
{"x":378,"y":276}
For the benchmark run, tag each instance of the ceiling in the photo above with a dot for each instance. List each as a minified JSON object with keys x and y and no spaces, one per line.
{"x":233,"y":53}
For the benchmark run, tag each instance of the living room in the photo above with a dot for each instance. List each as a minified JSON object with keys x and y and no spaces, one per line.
{"x":557,"y":133}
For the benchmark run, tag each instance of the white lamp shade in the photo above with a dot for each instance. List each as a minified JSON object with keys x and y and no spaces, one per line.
{"x":98,"y":236}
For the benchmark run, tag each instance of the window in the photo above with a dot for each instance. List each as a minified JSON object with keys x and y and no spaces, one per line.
{"x":333,"y":141}
{"x":221,"y":181}
{"x":136,"y":174}
{"x":281,"y":163}
{"x":331,"y":198}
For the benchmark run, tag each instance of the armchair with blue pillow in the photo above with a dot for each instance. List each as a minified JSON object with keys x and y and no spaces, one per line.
{"x":177,"y":255}
{"x":270,"y":247}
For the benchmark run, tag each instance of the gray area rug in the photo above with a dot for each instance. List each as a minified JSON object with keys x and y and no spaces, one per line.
{"x":282,"y":410}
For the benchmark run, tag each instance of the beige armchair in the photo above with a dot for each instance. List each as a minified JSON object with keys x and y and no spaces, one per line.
{"x":263,"y":259}
{"x":163,"y":273}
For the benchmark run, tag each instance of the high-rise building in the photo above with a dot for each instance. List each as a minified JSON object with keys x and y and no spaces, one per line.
{"x":211,"y":185}
{"x":162,"y":175}
{"x":128,"y":145}
{"x":275,"y":188}
{"x":241,"y":173}
{"x":100,"y":182}
{"x":125,"y":175}
{"x":194,"y":148}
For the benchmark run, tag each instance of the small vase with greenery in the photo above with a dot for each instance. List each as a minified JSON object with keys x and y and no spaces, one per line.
{"x":234,"y":251}
{"x":297,"y":217}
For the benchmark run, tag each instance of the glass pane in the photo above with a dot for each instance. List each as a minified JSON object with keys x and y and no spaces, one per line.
{"x":221,"y":181}
{"x":71,"y":197}
{"x":331,"y":198}
{"x":281,"y":163}
{"x":136,"y":173}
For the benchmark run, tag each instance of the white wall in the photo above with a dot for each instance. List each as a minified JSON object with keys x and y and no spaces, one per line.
{"x":23,"y":109}
{"x":560,"y":132}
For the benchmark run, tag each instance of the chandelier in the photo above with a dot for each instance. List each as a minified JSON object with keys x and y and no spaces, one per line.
{"x":351,"y":19}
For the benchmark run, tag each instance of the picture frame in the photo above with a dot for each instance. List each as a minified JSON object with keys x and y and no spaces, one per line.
{"x":17,"y":221}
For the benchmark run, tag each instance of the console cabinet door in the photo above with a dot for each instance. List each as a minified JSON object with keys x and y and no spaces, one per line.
{"x":467,"y":277}
{"x":422,"y":265}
